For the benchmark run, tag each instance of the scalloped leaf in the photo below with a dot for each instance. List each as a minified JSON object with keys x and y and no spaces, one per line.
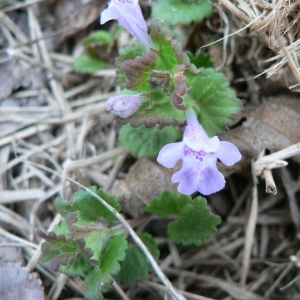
{"x":136,"y":265}
{"x":62,"y":254}
{"x":89,"y":206}
{"x":147,"y":141}
{"x":93,"y":285}
{"x":63,"y":207}
{"x":131,"y":52}
{"x":90,"y":237}
{"x":92,"y":209}
{"x":139,"y":71}
{"x":180,"y":90}
{"x":215,"y":102}
{"x":100,"y":280}
{"x":200,"y":59}
{"x":182,"y":12}
{"x":169,"y":51}
{"x":162,"y":38}
{"x":195,"y":222}
{"x":127,"y":53}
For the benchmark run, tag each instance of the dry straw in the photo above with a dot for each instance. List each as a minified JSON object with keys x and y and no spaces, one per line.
{"x":277,"y":26}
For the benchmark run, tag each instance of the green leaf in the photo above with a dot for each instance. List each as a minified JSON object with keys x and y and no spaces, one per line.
{"x":215,"y":101}
{"x":115,"y":252}
{"x":126,"y":53}
{"x":147,"y":141}
{"x":62,"y":254}
{"x":93,"y":209}
{"x":93,"y":285}
{"x":98,"y":37}
{"x":167,"y":204}
{"x":151,"y":245}
{"x":138,"y":72}
{"x":86,"y":64}
{"x":200,"y":60}
{"x":131,"y":52}
{"x":100,"y":280}
{"x":135,"y":265}
{"x":89,"y":206}
{"x":78,"y":267}
{"x":62,"y":228}
{"x":63,"y":207}
{"x":162,"y":38}
{"x":181,"y":11}
{"x":91,"y":237}
{"x":195,"y":222}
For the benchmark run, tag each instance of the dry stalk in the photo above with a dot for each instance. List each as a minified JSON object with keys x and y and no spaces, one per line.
{"x":250,"y":232}
{"x":270,"y":184}
{"x":275,"y":160}
{"x":70,"y":165}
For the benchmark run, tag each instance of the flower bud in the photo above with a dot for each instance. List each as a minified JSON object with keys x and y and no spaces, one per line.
{"x":124,"y":105}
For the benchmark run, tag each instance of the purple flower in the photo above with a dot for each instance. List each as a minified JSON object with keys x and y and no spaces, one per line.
{"x":129,"y":15}
{"x":124,"y":105}
{"x":199,"y":155}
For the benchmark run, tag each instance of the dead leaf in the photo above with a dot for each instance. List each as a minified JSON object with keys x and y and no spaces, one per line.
{"x":273,"y":125}
{"x":17,"y":283}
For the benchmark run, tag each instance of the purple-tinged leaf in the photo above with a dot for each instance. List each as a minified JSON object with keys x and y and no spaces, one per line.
{"x":138,"y":71}
{"x":91,"y":237}
{"x":180,"y":91}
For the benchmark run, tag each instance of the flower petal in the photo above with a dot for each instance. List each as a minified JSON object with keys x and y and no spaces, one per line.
{"x":188,"y":179}
{"x":211,"y":181}
{"x":170,"y":154}
{"x":130,"y":16}
{"x":195,"y":136}
{"x":108,"y":14}
{"x":228,"y":153}
{"x":124,"y":105}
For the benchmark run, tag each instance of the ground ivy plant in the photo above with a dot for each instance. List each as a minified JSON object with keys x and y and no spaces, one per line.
{"x":164,"y":88}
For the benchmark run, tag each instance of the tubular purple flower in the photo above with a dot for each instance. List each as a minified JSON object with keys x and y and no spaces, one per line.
{"x":124,"y":105}
{"x":199,"y":155}
{"x":129,"y":15}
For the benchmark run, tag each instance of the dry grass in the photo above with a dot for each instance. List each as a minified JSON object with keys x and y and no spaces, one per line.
{"x":276,"y":25}
{"x":62,"y":124}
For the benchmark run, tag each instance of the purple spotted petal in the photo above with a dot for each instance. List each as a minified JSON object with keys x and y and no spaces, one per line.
{"x":170,"y":154}
{"x":211,"y":181}
{"x":199,"y":155}
{"x":228,"y":154}
{"x":129,"y":15}
{"x":124,"y":105}
{"x":188,"y":180}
